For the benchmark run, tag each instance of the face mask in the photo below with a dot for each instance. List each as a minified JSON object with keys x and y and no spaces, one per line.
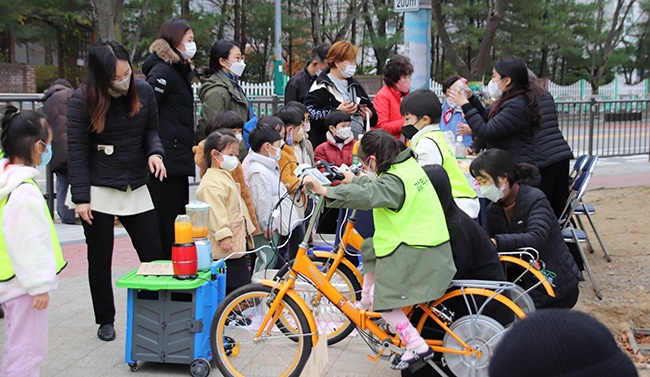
{"x":493,"y":90}
{"x":344,"y":133}
{"x":281,"y":144}
{"x":409,"y":131}
{"x":318,"y":72}
{"x":190,"y":50}
{"x":348,"y":71}
{"x":229,"y":163}
{"x":454,"y":106}
{"x":237,"y":68}
{"x":306,"y":126}
{"x":278,"y":153}
{"x":492,"y":192}
{"x":403,"y":87}
{"x":290,"y":138}
{"x":46,"y":155}
{"x":239,"y":137}
{"x":122,"y":87}
{"x":300,"y":135}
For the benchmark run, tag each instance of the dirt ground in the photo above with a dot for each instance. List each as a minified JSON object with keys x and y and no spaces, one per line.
{"x":623,"y":219}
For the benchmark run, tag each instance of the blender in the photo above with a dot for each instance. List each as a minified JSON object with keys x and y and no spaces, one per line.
{"x":184,"y":256}
{"x":199,"y":212}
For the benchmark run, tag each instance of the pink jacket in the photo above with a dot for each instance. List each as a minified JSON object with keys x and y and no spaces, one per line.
{"x":387,"y":103}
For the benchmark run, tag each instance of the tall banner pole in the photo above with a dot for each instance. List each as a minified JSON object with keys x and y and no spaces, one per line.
{"x":278,"y":79}
{"x":417,"y":39}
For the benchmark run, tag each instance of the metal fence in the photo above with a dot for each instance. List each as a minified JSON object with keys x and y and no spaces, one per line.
{"x":596,"y":127}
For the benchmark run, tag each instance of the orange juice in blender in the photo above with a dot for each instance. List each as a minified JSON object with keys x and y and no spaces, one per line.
{"x":183,"y":230}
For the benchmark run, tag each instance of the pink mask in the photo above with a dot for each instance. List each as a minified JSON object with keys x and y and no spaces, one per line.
{"x":403,"y":86}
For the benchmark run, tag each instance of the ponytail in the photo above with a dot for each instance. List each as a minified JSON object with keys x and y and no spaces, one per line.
{"x":383,"y":146}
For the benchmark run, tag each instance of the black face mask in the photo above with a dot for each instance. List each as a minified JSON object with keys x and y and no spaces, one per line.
{"x":409,"y":131}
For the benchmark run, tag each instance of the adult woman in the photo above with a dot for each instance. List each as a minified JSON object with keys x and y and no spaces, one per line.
{"x":510,"y":123}
{"x":222,"y":91}
{"x":336,"y":89}
{"x":521,"y":216}
{"x":553,"y":151}
{"x":113,"y":144}
{"x":169,"y":72}
{"x":397,"y":79}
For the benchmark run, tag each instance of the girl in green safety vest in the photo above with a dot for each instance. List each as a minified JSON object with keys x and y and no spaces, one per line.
{"x":30,"y":253}
{"x":408,"y":260}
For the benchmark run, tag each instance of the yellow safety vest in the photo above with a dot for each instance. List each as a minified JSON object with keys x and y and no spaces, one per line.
{"x":6,"y":269}
{"x":460,"y":188}
{"x":420,"y":223}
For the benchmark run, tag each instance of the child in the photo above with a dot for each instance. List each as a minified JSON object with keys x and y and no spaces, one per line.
{"x":292,"y":214}
{"x":411,"y":260}
{"x":420,"y":109}
{"x":452,"y":115}
{"x":338,"y":148}
{"x":227,"y":119}
{"x":230,"y":223}
{"x":30,"y":253}
{"x":263,"y":180}
{"x":302,"y":148}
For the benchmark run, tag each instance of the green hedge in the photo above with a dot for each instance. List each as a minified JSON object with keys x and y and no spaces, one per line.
{"x":45,"y":76}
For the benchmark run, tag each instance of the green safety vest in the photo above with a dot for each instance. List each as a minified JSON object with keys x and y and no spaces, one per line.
{"x":6,"y":269}
{"x":420,"y":223}
{"x":460,"y":188}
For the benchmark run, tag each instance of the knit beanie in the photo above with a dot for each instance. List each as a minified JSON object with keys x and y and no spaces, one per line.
{"x":559,"y":343}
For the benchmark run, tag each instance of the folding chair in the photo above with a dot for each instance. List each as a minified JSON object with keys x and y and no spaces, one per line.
{"x":586,"y":209}
{"x":571,"y":233}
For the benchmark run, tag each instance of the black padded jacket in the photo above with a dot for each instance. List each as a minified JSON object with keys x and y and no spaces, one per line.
{"x":534,"y":224}
{"x":131,"y":140}
{"x":550,"y":144}
{"x":509,"y":129}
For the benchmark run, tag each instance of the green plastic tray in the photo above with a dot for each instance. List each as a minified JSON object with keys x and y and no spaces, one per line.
{"x":159,"y":283}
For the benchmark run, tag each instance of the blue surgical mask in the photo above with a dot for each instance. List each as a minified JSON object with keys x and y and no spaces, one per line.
{"x":46,"y":155}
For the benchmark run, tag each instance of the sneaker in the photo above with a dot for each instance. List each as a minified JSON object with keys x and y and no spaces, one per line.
{"x":235,"y":320}
{"x":106,"y":332}
{"x":417,"y":362}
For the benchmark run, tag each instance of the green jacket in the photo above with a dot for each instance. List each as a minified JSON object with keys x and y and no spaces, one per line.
{"x":219,"y":93}
{"x":410,"y":275}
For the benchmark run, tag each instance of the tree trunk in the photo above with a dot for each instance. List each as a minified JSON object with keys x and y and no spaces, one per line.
{"x":315,"y":22}
{"x":185,"y":9}
{"x":60,"y":47}
{"x":119,"y":20}
{"x":438,"y":17}
{"x":104,"y":12}
{"x":237,"y":14}
{"x":138,"y":28}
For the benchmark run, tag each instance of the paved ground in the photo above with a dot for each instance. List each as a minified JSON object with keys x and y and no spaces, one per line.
{"x":74,"y":349}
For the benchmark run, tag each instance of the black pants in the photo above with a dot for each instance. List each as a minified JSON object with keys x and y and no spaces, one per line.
{"x":169,"y":199}
{"x":142,"y":229}
{"x":555,"y":184}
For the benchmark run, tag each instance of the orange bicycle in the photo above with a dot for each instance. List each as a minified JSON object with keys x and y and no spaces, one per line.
{"x":267,"y":329}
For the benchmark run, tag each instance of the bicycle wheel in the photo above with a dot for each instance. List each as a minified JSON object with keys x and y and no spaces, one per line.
{"x":478,"y":331}
{"x":522,"y":299}
{"x":235,"y":324}
{"x":329,"y":319}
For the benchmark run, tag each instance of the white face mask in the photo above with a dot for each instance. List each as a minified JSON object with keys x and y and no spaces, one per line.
{"x":493,"y":90}
{"x":344,"y":133}
{"x":237,"y":68}
{"x":306,"y":126}
{"x":229,"y":163}
{"x":349,"y":70}
{"x":122,"y":87}
{"x":491,"y":192}
{"x":190,"y":50}
{"x":239,"y":137}
{"x":278,"y":153}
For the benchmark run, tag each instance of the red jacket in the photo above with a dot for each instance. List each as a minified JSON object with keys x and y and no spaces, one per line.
{"x":331,"y":153}
{"x":387,"y":103}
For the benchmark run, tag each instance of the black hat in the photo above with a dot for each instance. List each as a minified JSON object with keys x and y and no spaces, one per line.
{"x":559,"y":343}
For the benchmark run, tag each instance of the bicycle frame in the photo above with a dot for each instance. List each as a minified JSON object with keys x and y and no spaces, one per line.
{"x":304,"y":267}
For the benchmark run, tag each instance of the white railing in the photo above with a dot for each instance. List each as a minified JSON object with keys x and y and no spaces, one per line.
{"x":578,"y":91}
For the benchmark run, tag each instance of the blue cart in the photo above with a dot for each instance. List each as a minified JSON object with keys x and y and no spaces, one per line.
{"x":168,"y":320}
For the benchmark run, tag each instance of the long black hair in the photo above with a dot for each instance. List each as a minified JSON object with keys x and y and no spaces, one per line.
{"x":516,"y":69}
{"x":220,"y":49}
{"x":499,"y":163}
{"x":383,"y":146}
{"x":20,"y":131}
{"x":102,"y":60}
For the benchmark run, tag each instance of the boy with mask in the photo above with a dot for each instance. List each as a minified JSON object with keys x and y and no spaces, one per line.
{"x":419,"y":110}
{"x":340,"y":140}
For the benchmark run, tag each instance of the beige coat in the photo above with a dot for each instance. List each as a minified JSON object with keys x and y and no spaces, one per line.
{"x":229,"y":216}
